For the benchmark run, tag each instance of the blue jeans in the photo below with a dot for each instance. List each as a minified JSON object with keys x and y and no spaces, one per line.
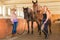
{"x":45,"y":31}
{"x":14,"y":27}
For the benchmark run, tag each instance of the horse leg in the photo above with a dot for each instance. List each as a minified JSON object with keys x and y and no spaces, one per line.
{"x":37,"y":25}
{"x":32,"y":27}
{"x":50,"y":26}
{"x":28,"y":26}
{"x":39,"y":28}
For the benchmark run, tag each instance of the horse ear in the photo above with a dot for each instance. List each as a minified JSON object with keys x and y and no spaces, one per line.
{"x":36,"y":1}
{"x":23,"y":7}
{"x":32,"y":1}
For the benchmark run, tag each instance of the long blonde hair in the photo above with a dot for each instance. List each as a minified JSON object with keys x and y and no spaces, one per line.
{"x":47,"y":10}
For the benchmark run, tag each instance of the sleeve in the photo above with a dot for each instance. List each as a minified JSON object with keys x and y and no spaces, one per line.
{"x":11,"y":18}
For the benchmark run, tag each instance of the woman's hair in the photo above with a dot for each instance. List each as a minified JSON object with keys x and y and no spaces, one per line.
{"x":45,"y":7}
{"x":13,"y":9}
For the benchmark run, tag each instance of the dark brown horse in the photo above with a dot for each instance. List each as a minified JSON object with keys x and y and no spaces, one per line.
{"x":28,"y":15}
{"x":38,"y":12}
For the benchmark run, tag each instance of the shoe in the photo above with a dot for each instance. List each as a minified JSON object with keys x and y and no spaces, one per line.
{"x":46,"y":37}
{"x":13,"y":35}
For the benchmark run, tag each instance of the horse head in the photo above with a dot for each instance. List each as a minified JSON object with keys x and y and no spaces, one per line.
{"x":35,"y":5}
{"x":27,"y":13}
{"x":25,"y":10}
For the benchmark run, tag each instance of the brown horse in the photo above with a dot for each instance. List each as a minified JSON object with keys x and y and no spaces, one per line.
{"x":28,"y":15}
{"x":38,"y":12}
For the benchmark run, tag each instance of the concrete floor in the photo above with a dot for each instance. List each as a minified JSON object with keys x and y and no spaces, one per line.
{"x":54,"y":36}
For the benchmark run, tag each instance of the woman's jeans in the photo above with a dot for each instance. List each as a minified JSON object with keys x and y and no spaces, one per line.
{"x":14,"y":27}
{"x":45,"y":30}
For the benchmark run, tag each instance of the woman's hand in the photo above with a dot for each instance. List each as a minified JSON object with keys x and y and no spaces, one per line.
{"x":42,"y":27}
{"x":45,"y":22}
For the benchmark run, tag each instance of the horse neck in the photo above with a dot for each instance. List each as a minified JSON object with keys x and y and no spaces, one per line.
{"x":35,"y":9}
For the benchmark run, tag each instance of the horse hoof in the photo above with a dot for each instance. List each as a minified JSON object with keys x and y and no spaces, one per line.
{"x":39,"y":33}
{"x":31,"y":32}
{"x":28,"y":32}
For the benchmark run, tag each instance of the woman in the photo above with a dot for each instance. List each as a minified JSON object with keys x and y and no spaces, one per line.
{"x":14,"y":21}
{"x":46,"y":17}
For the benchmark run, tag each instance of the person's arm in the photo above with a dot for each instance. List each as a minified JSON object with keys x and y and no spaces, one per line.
{"x":11,"y":18}
{"x":49,"y":14}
